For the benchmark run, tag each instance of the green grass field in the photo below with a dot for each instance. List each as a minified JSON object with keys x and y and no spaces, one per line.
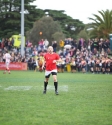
{"x":84,"y":99}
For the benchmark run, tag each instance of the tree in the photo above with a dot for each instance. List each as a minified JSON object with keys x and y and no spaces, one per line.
{"x":47,"y":27}
{"x":58,"y":36}
{"x":70,"y":27}
{"x":10,"y":16}
{"x":101,"y":26}
{"x":10,"y":19}
{"x":83,"y":34}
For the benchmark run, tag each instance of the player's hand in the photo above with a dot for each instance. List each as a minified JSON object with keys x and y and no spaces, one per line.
{"x":43,"y":67}
{"x":54,"y":61}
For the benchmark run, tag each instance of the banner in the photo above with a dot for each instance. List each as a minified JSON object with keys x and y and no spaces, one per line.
{"x":14,"y":66}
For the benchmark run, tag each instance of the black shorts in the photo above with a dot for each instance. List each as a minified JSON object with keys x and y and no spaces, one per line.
{"x":73,"y":67}
{"x":103,"y":65}
{"x":97,"y":65}
{"x":53,"y":73}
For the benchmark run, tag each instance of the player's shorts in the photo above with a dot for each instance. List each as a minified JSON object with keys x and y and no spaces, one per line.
{"x":107,"y":66}
{"x":53,"y":72}
{"x":97,"y":65}
{"x":103,"y":65}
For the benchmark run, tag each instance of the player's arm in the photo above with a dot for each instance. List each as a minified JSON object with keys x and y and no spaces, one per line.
{"x":57,"y":61}
{"x":43,"y":64}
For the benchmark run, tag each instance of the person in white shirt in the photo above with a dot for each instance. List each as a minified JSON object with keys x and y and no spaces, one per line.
{"x":7,"y":58}
{"x":46,"y":43}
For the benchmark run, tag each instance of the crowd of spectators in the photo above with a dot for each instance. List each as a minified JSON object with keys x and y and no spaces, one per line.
{"x":87,"y":56}
{"x":77,"y":56}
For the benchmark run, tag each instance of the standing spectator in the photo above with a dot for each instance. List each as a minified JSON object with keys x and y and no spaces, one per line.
{"x":41,"y":44}
{"x":54,"y":45}
{"x":30,"y":63}
{"x":100,"y":45}
{"x":81,"y":44}
{"x":61,"y":43}
{"x":46,"y":42}
{"x":74,"y":44}
{"x":6,"y":43}
{"x":89,"y":46}
{"x":67,"y":42}
{"x":12,"y":42}
{"x":95,"y":46}
{"x":9,"y":45}
{"x":106,"y":45}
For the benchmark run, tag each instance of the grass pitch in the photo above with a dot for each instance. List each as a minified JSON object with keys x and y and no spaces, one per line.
{"x":84,"y":99}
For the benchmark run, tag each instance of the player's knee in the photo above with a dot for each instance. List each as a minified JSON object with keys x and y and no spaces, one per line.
{"x":47,"y":79}
{"x":55,"y":79}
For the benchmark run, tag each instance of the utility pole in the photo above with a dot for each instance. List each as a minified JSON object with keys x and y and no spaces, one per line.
{"x":22,"y":28}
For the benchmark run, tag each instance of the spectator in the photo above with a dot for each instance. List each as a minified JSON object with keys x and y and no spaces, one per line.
{"x":81,"y":44}
{"x":46,"y":43}
{"x":54,"y":45}
{"x":41,"y":44}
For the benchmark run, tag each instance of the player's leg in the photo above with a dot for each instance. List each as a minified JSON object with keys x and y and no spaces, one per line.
{"x":5,"y":68}
{"x":8,"y":69}
{"x":47,"y":75}
{"x":45,"y":85}
{"x":54,"y":74}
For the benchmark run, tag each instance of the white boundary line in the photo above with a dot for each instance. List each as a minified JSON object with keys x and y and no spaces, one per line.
{"x":18,"y":88}
{"x":61,"y":88}
{"x":25,"y":88}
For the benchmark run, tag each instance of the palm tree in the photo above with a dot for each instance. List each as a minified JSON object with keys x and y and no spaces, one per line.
{"x":101,"y":25}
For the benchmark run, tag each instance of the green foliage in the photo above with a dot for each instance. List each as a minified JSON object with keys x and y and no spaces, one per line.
{"x":58,"y":36}
{"x":70,"y":27}
{"x":101,"y":26}
{"x":10,"y":16}
{"x":83,"y":34}
{"x":84,"y":99}
{"x":47,"y":26}
{"x":10,"y":19}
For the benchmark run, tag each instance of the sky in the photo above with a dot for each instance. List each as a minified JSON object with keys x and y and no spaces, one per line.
{"x":77,"y":9}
